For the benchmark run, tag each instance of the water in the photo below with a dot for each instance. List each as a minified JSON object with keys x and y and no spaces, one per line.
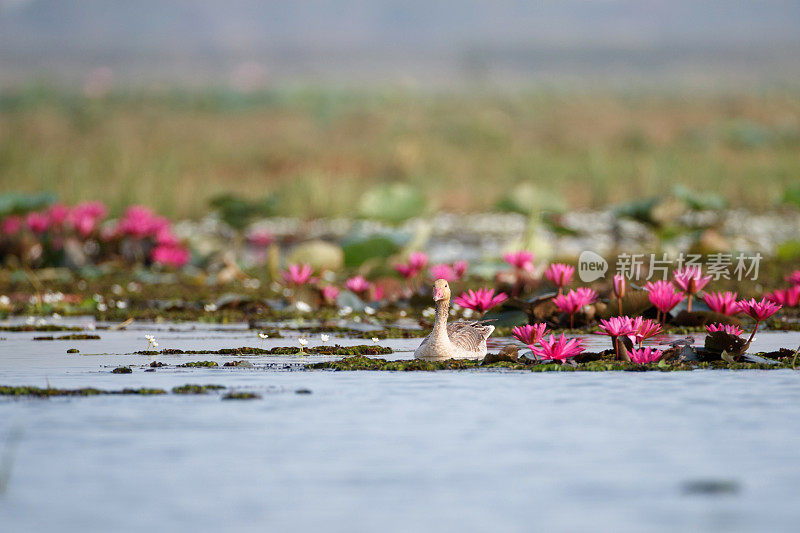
{"x":366,"y":451}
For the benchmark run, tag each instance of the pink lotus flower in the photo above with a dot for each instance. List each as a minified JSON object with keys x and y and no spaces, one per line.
{"x":559,"y":275}
{"x":530,"y":334}
{"x":84,"y":217}
{"x":329,"y":294}
{"x":574,"y":301}
{"x":377,"y":293}
{"x":260,"y":238}
{"x":58,"y":214}
{"x":460,"y":268}
{"x":10,"y":226}
{"x":786,"y":297}
{"x":521,"y":260}
{"x":298,"y":274}
{"x":727,"y":328}
{"x":174,"y":256}
{"x":616,"y":326}
{"x":619,"y":286}
{"x":358,"y":284}
{"x":723,"y":303}
{"x":645,"y":328}
{"x":663,"y":295}
{"x":558,"y":349}
{"x":139,"y":222}
{"x":645,"y":355}
{"x":166,"y":237}
{"x":690,"y":279}
{"x":445,"y":272}
{"x":417,"y":261}
{"x":37,"y":222}
{"x":481,"y":300}
{"x":759,"y":311}
{"x":793,"y":278}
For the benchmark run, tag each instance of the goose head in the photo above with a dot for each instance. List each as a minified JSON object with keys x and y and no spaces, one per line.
{"x":441,"y":290}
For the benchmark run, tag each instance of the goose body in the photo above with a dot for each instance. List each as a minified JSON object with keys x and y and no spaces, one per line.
{"x":456,"y":340}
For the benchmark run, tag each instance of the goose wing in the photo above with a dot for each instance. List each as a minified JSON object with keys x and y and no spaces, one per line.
{"x":470,"y":336}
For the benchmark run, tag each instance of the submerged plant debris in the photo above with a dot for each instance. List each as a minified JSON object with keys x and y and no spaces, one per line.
{"x":73,"y":337}
{"x":242,"y":396}
{"x":6,"y":390}
{"x":196,"y":389}
{"x":199,"y":364}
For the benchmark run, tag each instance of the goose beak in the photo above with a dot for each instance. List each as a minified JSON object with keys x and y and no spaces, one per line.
{"x":438,"y":294}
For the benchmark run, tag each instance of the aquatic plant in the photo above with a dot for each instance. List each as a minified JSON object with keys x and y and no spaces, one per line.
{"x":645,"y":355}
{"x":324,"y":338}
{"x":691,"y":281}
{"x":723,"y":303}
{"x":260,"y":238}
{"x":645,"y":328}
{"x":560,"y":275}
{"x":37,"y":222}
{"x":298,"y":274}
{"x":358,"y":284}
{"x":663,"y":296}
{"x":417,"y":261}
{"x":574,"y":301}
{"x":793,"y":278}
{"x":558,"y":349}
{"x":174,"y":256}
{"x":521,"y":260}
{"x":758,"y":311}
{"x":530,"y":334}
{"x":789,"y":297}
{"x":618,"y":287}
{"x":480,"y":300}
{"x":727,"y":328}
{"x":262,"y":336}
{"x":449,"y":273}
{"x":329,"y":294}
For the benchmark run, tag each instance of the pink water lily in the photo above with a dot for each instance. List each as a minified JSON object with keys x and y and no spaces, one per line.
{"x":85,"y":216}
{"x":786,"y":297}
{"x":645,"y":328}
{"x":139,"y":222}
{"x":329,"y":294}
{"x":37,"y":222}
{"x":618,"y":286}
{"x":298,"y":274}
{"x":691,"y":281}
{"x":58,"y":215}
{"x":10,"y":226}
{"x":574,"y":301}
{"x":793,"y":278}
{"x":358,"y":284}
{"x":174,"y":256}
{"x":723,"y":303}
{"x":616,"y":326}
{"x":481,"y":300}
{"x":727,"y":328}
{"x":460,"y":268}
{"x":758,"y":311}
{"x":663,"y":296}
{"x":559,"y":275}
{"x":558,"y":349}
{"x":447,"y":272}
{"x":417,"y":261}
{"x":260,"y":238}
{"x":530,"y":334}
{"x":645,"y":355}
{"x":521,"y":260}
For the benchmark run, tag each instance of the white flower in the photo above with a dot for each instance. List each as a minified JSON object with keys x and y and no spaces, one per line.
{"x":303,"y":307}
{"x":5,"y":300}
{"x":102,"y":307}
{"x":324,"y":338}
{"x":56,"y":316}
{"x":41,"y":322}
{"x":210,"y":308}
{"x":90,"y":326}
{"x":303,"y":342}
{"x":375,"y":340}
{"x":346,"y":310}
{"x":403,"y":312}
{"x":155,"y":344}
{"x":369,"y":310}
{"x":122,"y":305}
{"x":263,"y":335}
{"x":467,"y":313}
{"x":429,"y":312}
{"x":30,"y":320}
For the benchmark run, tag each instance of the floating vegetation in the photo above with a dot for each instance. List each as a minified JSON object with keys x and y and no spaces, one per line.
{"x":196,"y":389}
{"x":303,"y":391}
{"x":122,"y":370}
{"x":6,"y":390}
{"x":73,"y":350}
{"x":199,"y":364}
{"x":241,"y":363}
{"x":361,"y":349}
{"x":597,"y":365}
{"x":242,"y":396}
{"x":73,"y":337}
{"x":43,"y":327}
{"x":157,"y":364}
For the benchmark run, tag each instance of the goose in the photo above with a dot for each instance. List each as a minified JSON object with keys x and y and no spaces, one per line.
{"x":457,"y":340}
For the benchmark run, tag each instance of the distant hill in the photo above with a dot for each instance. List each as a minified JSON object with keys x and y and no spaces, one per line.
{"x":415,"y":41}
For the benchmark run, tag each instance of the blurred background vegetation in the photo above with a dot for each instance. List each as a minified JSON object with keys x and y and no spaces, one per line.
{"x":313,"y":152}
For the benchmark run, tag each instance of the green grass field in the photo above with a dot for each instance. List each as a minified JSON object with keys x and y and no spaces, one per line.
{"x":318,"y":150}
